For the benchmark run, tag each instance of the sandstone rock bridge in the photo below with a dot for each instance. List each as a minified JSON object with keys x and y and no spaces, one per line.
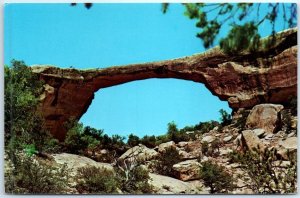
{"x":266,"y":76}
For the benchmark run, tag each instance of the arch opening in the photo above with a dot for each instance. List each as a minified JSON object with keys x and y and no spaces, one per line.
{"x":145,"y":107}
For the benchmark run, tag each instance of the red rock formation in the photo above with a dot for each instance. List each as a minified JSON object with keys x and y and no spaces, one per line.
{"x":243,"y":80}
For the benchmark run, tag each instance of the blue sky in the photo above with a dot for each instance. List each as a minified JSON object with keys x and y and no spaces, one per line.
{"x":117,"y":34}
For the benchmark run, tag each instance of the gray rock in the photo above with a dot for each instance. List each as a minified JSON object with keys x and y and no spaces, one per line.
{"x":251,"y":141}
{"x":208,"y":139}
{"x":162,"y":147}
{"x":259,"y":132}
{"x":264,"y":116}
{"x":182,"y":144}
{"x":227,"y":139}
{"x":74,"y":162}
{"x":238,"y":140}
{"x":289,"y":143}
{"x":187,"y":170}
{"x":139,"y":152}
{"x":269,"y":136}
{"x":168,"y":185}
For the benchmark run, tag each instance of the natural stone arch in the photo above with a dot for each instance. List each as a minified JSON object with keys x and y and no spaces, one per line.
{"x":243,"y":80}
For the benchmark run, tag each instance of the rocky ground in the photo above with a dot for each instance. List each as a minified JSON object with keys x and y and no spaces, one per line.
{"x":264,"y":126}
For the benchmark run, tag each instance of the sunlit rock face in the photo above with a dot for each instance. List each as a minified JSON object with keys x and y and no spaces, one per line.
{"x":244,"y":80}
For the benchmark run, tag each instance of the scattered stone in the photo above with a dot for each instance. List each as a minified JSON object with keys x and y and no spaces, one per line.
{"x":235,"y":165}
{"x":184,"y":155}
{"x":289,"y":143}
{"x":251,"y":141}
{"x":291,"y":134}
{"x":139,"y":152}
{"x":187,"y":170}
{"x":182,"y":144}
{"x":283,"y":153}
{"x":269,"y":136}
{"x":237,"y":140}
{"x":208,"y":139}
{"x":168,"y":185}
{"x":162,"y":147}
{"x":280,"y":134}
{"x":294,"y":122}
{"x":264,"y":116}
{"x":204,"y":159}
{"x":104,"y":151}
{"x":282,"y":164}
{"x":227,"y":139}
{"x":225,"y":151}
{"x":259,"y":132}
{"x":198,"y":184}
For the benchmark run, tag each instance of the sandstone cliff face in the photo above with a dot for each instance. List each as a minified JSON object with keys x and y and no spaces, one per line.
{"x":243,"y":80}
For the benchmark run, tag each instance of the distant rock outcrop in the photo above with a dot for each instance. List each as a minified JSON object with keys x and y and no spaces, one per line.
{"x":244,"y":80}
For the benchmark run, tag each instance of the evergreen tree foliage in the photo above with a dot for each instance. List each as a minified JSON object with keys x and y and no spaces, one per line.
{"x":245,"y":20}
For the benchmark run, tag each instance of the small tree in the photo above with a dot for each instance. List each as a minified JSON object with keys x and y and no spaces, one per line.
{"x":93,"y":179}
{"x":73,"y":142}
{"x":92,"y":143}
{"x":166,"y":161}
{"x":149,"y":141}
{"x":225,"y":117}
{"x":216,"y":177}
{"x":133,"y":140}
{"x":32,"y":176}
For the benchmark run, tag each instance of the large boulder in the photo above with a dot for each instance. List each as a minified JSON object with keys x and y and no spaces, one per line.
{"x":162,"y":147}
{"x":251,"y":141}
{"x":139,"y":152}
{"x":208,"y":139}
{"x":190,"y":150}
{"x":187,"y":170}
{"x":74,"y":162}
{"x":264,"y":116}
{"x":168,"y":185}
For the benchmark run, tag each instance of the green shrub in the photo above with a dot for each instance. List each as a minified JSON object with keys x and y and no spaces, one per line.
{"x":149,"y":141}
{"x":29,"y":176}
{"x":175,"y":135}
{"x":74,"y":142}
{"x":133,"y":140}
{"x":211,"y":149}
{"x":286,"y":121}
{"x":266,"y":176}
{"x":241,"y":121}
{"x":293,"y":105}
{"x":128,"y":179}
{"x":205,"y":127}
{"x":205,"y":149}
{"x":216,"y":178}
{"x":134,"y":180}
{"x":162,"y":139}
{"x":96,"y":180}
{"x":166,"y":160}
{"x":225,"y":117}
